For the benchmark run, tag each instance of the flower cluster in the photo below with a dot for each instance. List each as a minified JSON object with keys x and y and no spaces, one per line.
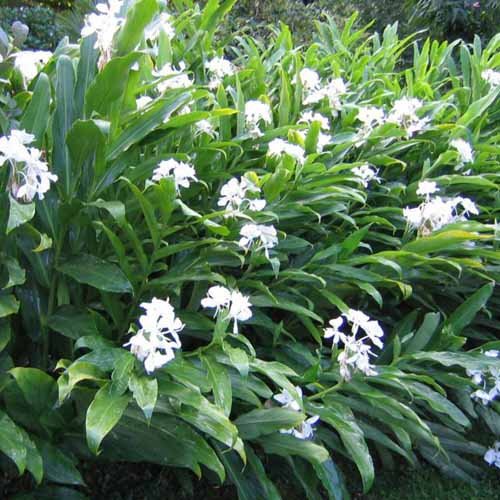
{"x":255,"y":113}
{"x":436,"y":212}
{"x":370,"y":117}
{"x":356,"y":354}
{"x":231,"y":304}
{"x":105,"y":25}
{"x":161,"y":24}
{"x":305,"y":430}
{"x":365,"y":173}
{"x":464,"y":149}
{"x":29,"y":62}
{"x":172,"y":78}
{"x":155,"y":341}
{"x":315,"y":92}
{"x":491,"y":76}
{"x":488,"y":380}
{"x":30,"y":175}
{"x":218,"y":67}
{"x":404,"y":114}
{"x":258,"y":236}
{"x":278,"y":147}
{"x":235,"y":197}
{"x":182,"y":173}
{"x":492,"y":456}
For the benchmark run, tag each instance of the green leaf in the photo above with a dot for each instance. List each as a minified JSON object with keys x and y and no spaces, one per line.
{"x":63,"y":119}
{"x":34,"y":119}
{"x":467,"y":311}
{"x":424,"y":334}
{"x":38,"y":388}
{"x":145,"y":391}
{"x":19,"y":213}
{"x":8,"y":305}
{"x":97,"y":273}
{"x":59,"y":467}
{"x":138,"y":17}
{"x":286,"y":445}
{"x":72,"y":322}
{"x":103,"y":414}
{"x":5,"y":334}
{"x":17,"y":275}
{"x":109,"y":85}
{"x":442,"y":241}
{"x":12,"y":442}
{"x":76,"y":372}
{"x":221,"y":384}
{"x":260,"y":422}
{"x":85,"y":73}
{"x":341,"y":418}
{"x":165,"y":441}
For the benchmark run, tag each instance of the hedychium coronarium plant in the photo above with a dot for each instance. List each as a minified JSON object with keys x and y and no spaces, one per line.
{"x":214,"y":252}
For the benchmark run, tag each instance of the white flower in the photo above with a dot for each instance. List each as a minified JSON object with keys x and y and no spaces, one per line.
{"x":219,"y":68}
{"x":357,"y":318}
{"x":426,"y":188}
{"x":104,"y":25}
{"x":231,"y":303}
{"x":413,"y":216}
{"x":310,"y":79}
{"x":404,"y":114}
{"x":483,"y":396}
{"x":492,"y":353}
{"x":265,"y":237}
{"x":371,"y":116}
{"x":205,"y":127}
{"x":30,"y":175}
{"x":161,"y":24}
{"x":309,"y":117}
{"x":256,"y":112}
{"x":288,"y":401}
{"x":464,"y":150}
{"x":29,"y":62}
{"x":491,"y":76}
{"x":172,"y":78}
{"x":476,"y":375}
{"x":333,"y":91}
{"x":155,"y":341}
{"x":333,"y":330}
{"x":218,"y":297}
{"x":467,"y":204}
{"x":182,"y":173}
{"x":277,"y":147}
{"x":492,"y":456}
{"x":323,"y":141}
{"x":366,"y":174}
{"x":143,"y":101}
{"x":234,"y":196}
{"x":305,"y":430}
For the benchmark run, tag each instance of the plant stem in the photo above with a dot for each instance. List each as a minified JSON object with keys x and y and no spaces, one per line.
{"x":323,"y":393}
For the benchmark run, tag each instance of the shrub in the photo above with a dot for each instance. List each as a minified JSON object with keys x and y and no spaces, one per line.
{"x":44,"y":33}
{"x":208,"y":262}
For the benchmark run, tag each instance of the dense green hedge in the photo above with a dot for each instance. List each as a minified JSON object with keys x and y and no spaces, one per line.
{"x":44,"y":32}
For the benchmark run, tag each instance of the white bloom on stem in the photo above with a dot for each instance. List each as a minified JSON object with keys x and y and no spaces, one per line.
{"x":287,"y":401}
{"x":29,"y":62}
{"x":323,"y":141}
{"x":155,"y":341}
{"x":104,"y":25}
{"x":257,"y":112}
{"x":303,"y":431}
{"x":172,"y":78}
{"x":231,"y":304}
{"x":365,"y":173}
{"x":310,"y":79}
{"x":205,"y":127}
{"x":259,"y":235}
{"x":218,"y":67}
{"x":371,"y":116}
{"x":426,"y":188}
{"x":182,"y":173}
{"x":404,"y":114}
{"x":464,"y":150}
{"x":492,"y":353}
{"x":333,"y":330}
{"x":162,"y":24}
{"x":310,"y":117}
{"x":277,"y":147}
{"x":234,"y":196}
{"x":492,"y":456}
{"x":30,"y":175}
{"x":218,"y":297}
{"x":143,"y":101}
{"x":491,"y":76}
{"x":413,"y":216}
